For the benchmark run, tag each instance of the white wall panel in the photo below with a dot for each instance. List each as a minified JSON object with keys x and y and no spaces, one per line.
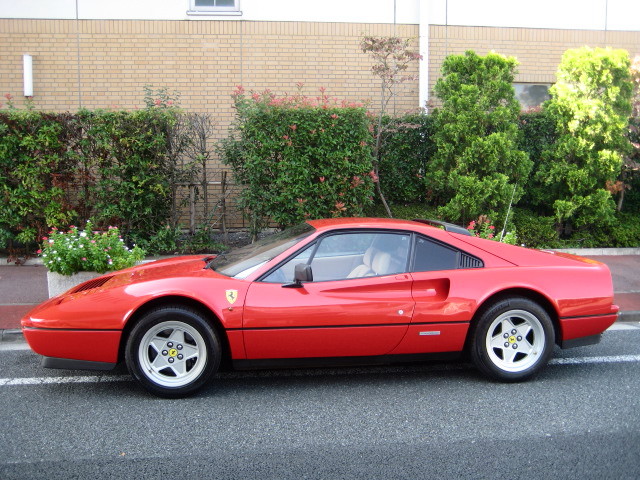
{"x":53,"y":9}
{"x":556,"y":14}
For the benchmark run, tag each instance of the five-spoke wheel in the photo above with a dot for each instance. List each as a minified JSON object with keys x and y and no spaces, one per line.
{"x":513,"y":339}
{"x":172,"y":351}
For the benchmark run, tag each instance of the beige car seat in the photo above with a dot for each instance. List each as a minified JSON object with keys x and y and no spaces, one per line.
{"x":374,"y":262}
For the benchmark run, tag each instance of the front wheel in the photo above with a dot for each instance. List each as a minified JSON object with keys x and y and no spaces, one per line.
{"x":512,"y":340}
{"x":173,"y":351}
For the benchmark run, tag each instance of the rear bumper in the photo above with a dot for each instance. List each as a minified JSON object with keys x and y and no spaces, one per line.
{"x":575,"y":328}
{"x":78,"y":345}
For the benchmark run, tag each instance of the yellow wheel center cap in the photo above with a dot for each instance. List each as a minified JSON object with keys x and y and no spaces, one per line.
{"x":512,"y":339}
{"x":173,"y":352}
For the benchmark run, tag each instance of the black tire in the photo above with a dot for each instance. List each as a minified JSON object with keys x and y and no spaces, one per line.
{"x":173,"y":351}
{"x":512,"y":340}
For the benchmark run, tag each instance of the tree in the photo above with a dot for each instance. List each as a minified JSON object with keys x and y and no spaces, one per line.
{"x":591,"y":104}
{"x":631,"y":165}
{"x":393,"y":57}
{"x":477,"y":168}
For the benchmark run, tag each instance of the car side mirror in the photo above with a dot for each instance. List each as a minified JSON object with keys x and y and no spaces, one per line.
{"x":302,"y":273}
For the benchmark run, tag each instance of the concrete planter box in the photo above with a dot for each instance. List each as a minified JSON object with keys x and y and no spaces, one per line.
{"x":61,"y":283}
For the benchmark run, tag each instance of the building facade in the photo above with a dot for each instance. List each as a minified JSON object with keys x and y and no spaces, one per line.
{"x":96,"y":54}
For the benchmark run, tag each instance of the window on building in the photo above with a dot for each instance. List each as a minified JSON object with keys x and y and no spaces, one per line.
{"x":214,"y":6}
{"x":532,"y":95}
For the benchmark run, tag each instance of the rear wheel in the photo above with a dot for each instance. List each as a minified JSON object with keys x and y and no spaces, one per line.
{"x":513,"y":339}
{"x":173,"y":351}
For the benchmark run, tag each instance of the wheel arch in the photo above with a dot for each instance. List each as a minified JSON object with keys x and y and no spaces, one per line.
{"x":180,"y":301}
{"x":532,"y":295}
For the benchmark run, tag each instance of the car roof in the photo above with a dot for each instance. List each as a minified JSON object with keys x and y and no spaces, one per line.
{"x":329,"y":223}
{"x":382,"y":223}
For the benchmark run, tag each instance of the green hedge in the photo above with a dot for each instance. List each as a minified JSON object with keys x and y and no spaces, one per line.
{"x":299,"y":158}
{"x":112,"y":166}
{"x":405,"y":157}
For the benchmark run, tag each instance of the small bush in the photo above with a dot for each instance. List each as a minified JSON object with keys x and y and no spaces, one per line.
{"x":624,"y":232}
{"x":299,"y":157}
{"x":535,"y":231}
{"x":87,"y":251}
{"x":406,"y":211}
{"x":405,"y":157}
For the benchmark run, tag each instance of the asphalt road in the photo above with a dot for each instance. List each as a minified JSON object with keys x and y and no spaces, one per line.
{"x":579,"y":419}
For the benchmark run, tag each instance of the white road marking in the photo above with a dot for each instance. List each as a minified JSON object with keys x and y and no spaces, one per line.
{"x":6,"y":382}
{"x":623,"y":326}
{"x":13,"y":347}
{"x":9,"y":382}
{"x":586,"y":360}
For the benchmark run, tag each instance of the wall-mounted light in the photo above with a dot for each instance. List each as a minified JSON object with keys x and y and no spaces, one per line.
{"x":27,"y":73}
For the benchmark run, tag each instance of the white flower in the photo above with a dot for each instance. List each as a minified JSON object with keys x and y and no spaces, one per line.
{"x":83,"y":234}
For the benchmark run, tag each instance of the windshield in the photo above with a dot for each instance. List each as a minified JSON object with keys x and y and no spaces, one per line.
{"x":240,"y":262}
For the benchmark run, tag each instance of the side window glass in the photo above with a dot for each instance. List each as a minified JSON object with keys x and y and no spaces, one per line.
{"x":350,"y":255}
{"x":360,"y":254}
{"x":430,"y":256}
{"x":284,"y":274}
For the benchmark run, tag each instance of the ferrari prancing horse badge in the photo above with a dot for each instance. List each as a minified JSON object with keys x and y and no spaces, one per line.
{"x":232,"y":296}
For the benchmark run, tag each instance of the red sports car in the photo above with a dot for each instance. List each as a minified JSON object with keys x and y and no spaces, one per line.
{"x":329,"y":291}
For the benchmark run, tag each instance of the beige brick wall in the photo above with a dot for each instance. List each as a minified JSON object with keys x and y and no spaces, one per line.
{"x":538,"y":50}
{"x":105,"y":64}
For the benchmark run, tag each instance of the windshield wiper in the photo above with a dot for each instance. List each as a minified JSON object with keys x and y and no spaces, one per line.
{"x":209,"y":260}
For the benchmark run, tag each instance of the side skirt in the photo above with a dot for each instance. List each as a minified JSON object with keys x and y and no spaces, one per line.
{"x":268,"y":363}
{"x":70,"y":364}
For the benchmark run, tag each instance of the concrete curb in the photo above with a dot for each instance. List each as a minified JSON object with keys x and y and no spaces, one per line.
{"x":11,"y":335}
{"x":599,"y":252}
{"x":37,"y":261}
{"x":629,"y":316}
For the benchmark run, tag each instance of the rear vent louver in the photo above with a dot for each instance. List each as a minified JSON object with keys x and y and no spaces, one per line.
{"x":91,"y":284}
{"x":467,"y":261}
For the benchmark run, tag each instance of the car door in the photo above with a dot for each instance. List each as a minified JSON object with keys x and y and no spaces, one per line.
{"x":442,"y":312}
{"x":355,"y":306}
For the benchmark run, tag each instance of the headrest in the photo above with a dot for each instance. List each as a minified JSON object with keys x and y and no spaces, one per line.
{"x":381,"y":263}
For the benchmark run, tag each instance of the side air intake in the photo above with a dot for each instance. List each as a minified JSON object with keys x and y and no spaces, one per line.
{"x":91,"y":284}
{"x":467,"y":261}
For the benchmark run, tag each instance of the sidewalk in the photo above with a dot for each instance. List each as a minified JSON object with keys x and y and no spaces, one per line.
{"x":23,"y":287}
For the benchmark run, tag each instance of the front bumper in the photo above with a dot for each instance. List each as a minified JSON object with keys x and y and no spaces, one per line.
{"x":81,"y":345}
